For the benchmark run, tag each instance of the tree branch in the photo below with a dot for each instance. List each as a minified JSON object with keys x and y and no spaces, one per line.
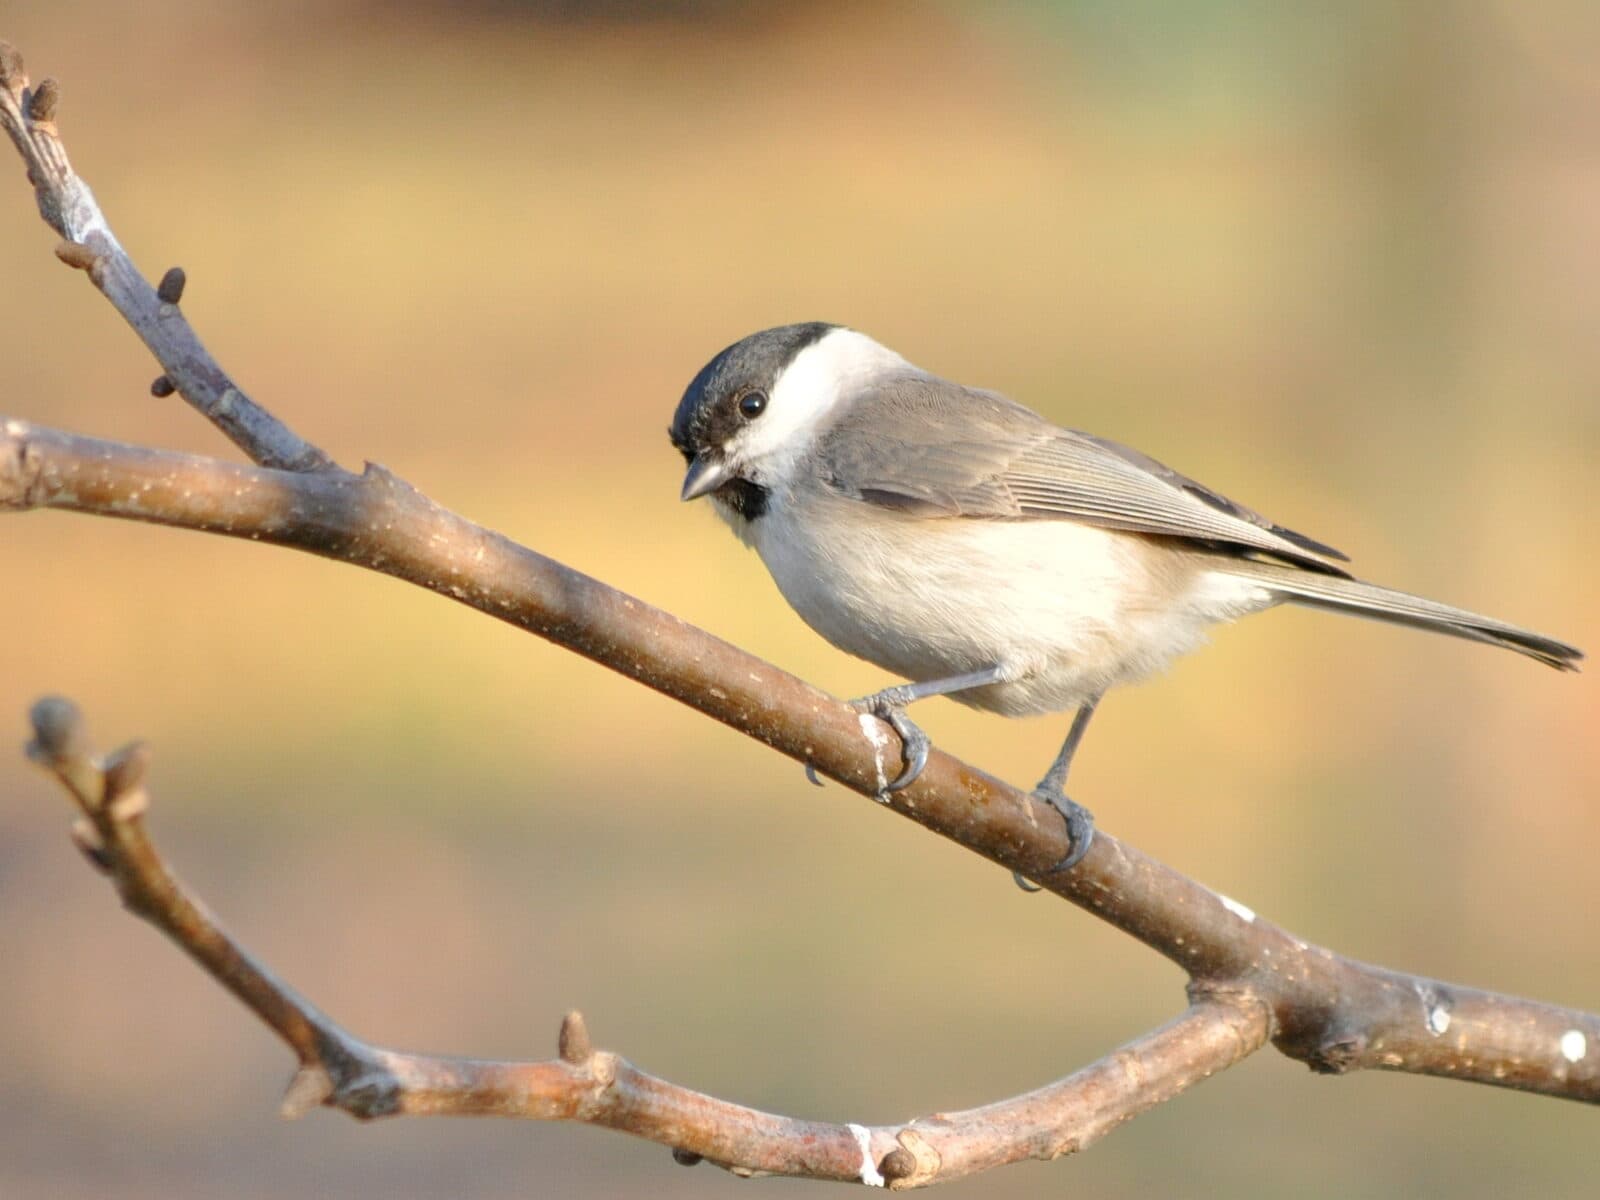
{"x":1248,"y":979}
{"x":1333,"y":1013}
{"x":596,"y":1086}
{"x":69,"y":207}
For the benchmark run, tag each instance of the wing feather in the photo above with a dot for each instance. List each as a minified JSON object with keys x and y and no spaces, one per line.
{"x":973,"y":454}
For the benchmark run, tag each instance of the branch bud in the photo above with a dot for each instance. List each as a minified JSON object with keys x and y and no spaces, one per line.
{"x":76,"y":254}
{"x":897,"y":1164}
{"x":43,"y":99}
{"x":309,"y":1088}
{"x":170,"y":290}
{"x":13,"y":75}
{"x":126,"y":768}
{"x":57,"y":729}
{"x":573,"y":1044}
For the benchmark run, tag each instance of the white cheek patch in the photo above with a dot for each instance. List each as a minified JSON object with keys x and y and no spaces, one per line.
{"x":805,"y":395}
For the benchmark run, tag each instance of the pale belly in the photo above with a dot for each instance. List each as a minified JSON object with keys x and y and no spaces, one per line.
{"x":1067,"y":610}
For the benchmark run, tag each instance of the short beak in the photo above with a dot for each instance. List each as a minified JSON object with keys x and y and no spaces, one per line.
{"x":705,"y":475}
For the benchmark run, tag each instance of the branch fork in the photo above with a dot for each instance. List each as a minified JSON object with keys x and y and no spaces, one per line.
{"x":1250,"y":982}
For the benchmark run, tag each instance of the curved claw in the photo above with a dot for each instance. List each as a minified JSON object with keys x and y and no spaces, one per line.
{"x":811,"y":774}
{"x":889,"y":706}
{"x":1080,"y":828}
{"x":914,"y":747}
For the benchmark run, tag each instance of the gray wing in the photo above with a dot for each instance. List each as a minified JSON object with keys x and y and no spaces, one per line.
{"x":919,"y":444}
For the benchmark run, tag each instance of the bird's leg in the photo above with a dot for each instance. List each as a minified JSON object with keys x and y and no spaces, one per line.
{"x":1052,"y":790}
{"x":1055,"y":779}
{"x":890,"y":705}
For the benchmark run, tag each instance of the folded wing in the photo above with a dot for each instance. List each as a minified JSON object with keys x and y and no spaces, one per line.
{"x":920,"y":444}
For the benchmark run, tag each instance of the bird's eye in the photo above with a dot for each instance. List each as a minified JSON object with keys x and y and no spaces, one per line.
{"x":753,"y":404}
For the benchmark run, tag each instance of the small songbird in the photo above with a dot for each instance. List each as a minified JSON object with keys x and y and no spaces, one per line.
{"x":960,"y":540}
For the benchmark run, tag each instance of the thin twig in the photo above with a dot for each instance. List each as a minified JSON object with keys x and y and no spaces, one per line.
{"x":69,"y":207}
{"x":596,"y":1086}
{"x":1248,"y":979}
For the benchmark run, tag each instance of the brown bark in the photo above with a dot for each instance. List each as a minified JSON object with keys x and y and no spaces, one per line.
{"x":1249,"y":980}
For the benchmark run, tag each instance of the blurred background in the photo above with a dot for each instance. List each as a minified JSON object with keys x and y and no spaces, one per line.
{"x":1335,"y":260}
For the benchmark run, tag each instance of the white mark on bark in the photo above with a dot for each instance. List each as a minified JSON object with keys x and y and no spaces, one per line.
{"x":1243,"y":911}
{"x":870,"y":1175}
{"x":873,"y":731}
{"x":1574,"y":1046}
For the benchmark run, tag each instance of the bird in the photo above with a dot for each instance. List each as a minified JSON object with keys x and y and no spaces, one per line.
{"x":966,"y":544}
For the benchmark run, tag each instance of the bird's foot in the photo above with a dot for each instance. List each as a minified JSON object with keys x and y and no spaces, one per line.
{"x":889,"y":705}
{"x":1080,"y":833}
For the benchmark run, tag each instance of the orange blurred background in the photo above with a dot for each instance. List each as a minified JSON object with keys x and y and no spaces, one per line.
{"x":1337,"y":261}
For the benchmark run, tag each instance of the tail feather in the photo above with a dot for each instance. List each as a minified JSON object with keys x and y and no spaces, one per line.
{"x":1385,"y":604}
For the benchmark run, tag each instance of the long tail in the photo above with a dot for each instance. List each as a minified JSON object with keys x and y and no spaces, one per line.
{"x":1340,"y":594}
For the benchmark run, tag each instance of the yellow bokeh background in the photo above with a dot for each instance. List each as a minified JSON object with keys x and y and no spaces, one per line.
{"x":1336,"y":261}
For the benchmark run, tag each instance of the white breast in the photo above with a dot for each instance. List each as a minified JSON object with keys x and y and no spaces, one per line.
{"x":1068,"y":609}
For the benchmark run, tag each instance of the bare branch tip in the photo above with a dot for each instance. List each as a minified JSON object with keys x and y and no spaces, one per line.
{"x":573,"y":1044}
{"x":170,"y":290}
{"x":161,"y":387}
{"x":57,"y":730}
{"x":43,"y":99}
